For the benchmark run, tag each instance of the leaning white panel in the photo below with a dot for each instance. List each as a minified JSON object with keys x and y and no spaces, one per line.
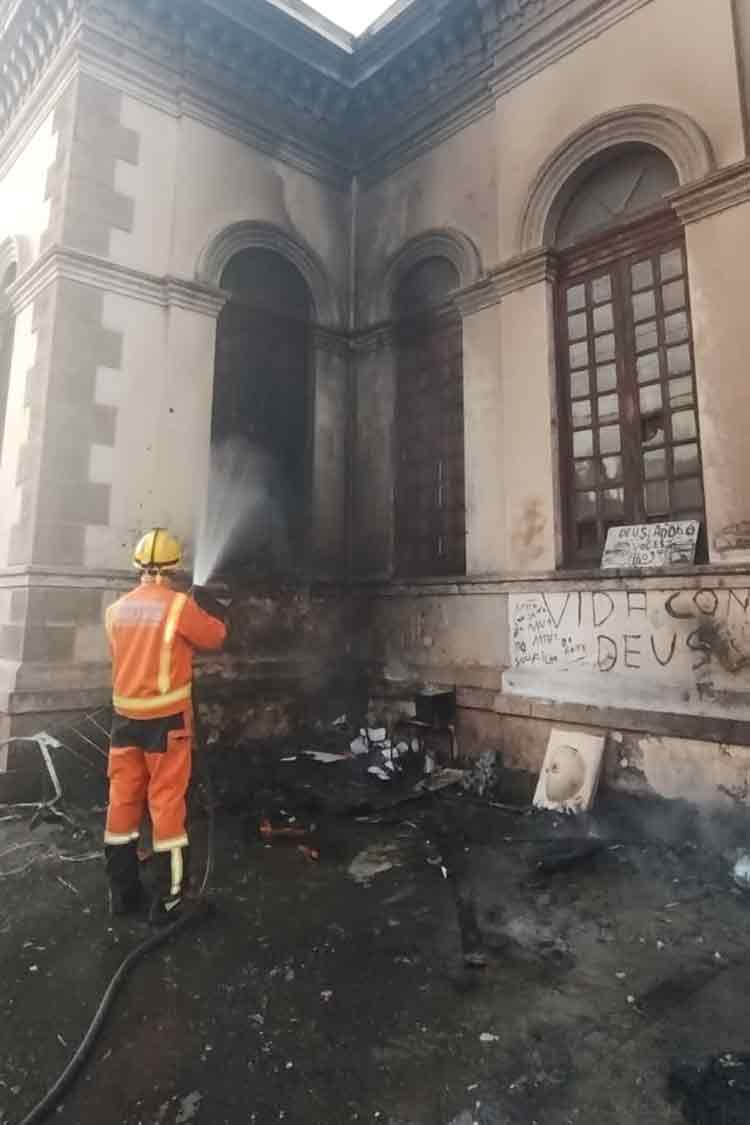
{"x":570,"y":772}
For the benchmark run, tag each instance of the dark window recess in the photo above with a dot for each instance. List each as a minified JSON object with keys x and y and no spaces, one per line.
{"x":262,"y":396}
{"x":430,"y":491}
{"x":630,"y":433}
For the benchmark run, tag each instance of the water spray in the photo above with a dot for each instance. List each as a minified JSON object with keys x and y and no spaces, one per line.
{"x":244,"y":518}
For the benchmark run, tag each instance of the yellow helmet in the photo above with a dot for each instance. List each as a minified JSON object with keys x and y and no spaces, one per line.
{"x":157,"y":550}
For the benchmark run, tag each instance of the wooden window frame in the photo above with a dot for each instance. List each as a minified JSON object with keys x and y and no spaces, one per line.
{"x":617,"y":250}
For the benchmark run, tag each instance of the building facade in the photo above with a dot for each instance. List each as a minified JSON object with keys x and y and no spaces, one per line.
{"x":471,"y":289}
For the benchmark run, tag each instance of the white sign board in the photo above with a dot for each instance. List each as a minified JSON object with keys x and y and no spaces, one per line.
{"x":650,"y":544}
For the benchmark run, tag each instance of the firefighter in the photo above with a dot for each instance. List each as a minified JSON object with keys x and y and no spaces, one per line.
{"x":153,"y":632}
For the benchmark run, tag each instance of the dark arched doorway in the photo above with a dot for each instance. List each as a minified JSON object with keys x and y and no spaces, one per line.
{"x":430,"y":490}
{"x":262,"y":405}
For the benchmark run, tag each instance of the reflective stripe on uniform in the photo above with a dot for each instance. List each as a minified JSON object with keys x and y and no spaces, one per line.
{"x":144,"y":706}
{"x":168,"y":845}
{"x":108,"y":622}
{"x":170,"y":628}
{"x":177,"y":870}
{"x":114,"y":838}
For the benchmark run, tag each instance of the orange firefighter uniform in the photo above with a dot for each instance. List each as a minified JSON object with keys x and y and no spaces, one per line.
{"x":153,"y":632}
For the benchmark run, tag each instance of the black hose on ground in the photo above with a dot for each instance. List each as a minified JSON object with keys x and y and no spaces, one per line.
{"x":194,"y":913}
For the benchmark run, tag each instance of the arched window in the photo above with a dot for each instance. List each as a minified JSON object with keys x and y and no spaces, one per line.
{"x":7,"y":333}
{"x":262,"y":405}
{"x":430,"y":492}
{"x":629,"y":435}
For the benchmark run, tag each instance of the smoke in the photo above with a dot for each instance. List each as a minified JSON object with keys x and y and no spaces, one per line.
{"x":244,"y":523}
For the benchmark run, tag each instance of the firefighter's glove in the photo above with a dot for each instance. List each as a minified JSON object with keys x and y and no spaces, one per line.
{"x":210,"y":604}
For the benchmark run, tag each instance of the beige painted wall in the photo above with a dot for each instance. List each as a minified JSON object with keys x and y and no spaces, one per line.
{"x":221,"y":181}
{"x":151,"y":184}
{"x":529,"y":436}
{"x":24,"y":209}
{"x":16,"y":427}
{"x":453,"y":185}
{"x":719,"y":263}
{"x":669,"y":52}
{"x":486,"y":475}
{"x":158,"y":466}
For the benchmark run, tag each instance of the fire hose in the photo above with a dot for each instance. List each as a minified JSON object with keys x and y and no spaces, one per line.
{"x":194,"y":913}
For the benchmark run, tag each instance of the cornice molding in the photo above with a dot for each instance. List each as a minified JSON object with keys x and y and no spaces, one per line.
{"x":330,"y":342}
{"x":525,"y":270}
{"x":729,"y":187}
{"x":62,"y":264}
{"x":378,"y":337}
{"x":482,"y":295}
{"x":339,"y":107}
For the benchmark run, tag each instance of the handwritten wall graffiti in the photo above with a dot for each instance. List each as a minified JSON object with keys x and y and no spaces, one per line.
{"x":678,"y":635}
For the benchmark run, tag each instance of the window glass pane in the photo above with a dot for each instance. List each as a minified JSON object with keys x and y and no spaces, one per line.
{"x":613,"y":502}
{"x":646,"y":338}
{"x":656,"y":498}
{"x":685,"y":459}
{"x":676,"y":327}
{"x":605,"y":348}
{"x":576,"y":298}
{"x":650,"y":399}
{"x":579,"y":354}
{"x":642,"y":275}
{"x":603,"y":319}
{"x":609,"y":408}
{"x":587,"y":536}
{"x":678,"y":359}
{"x":655,"y":464}
{"x":671,"y":264}
{"x":579,"y":384}
{"x":674,"y":296}
{"x":606,"y":378}
{"x":652,"y":430}
{"x":611,"y":468}
{"x":601,"y":288}
{"x":585,"y":474}
{"x":581,"y":411}
{"x":644,"y":305}
{"x":583,"y":443}
{"x":609,"y":439}
{"x":681,"y":391}
{"x":585,"y":505}
{"x":683,"y":426}
{"x":576,"y":326}
{"x":687,"y":494}
{"x":648,"y":367}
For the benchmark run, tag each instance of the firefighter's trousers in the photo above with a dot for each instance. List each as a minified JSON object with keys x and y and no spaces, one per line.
{"x":157,"y":780}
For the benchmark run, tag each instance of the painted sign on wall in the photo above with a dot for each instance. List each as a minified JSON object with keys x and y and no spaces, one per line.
{"x":670,"y":649}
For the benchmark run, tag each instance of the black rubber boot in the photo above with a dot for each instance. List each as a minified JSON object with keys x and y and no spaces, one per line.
{"x":170,"y":886}
{"x":126,"y":894}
